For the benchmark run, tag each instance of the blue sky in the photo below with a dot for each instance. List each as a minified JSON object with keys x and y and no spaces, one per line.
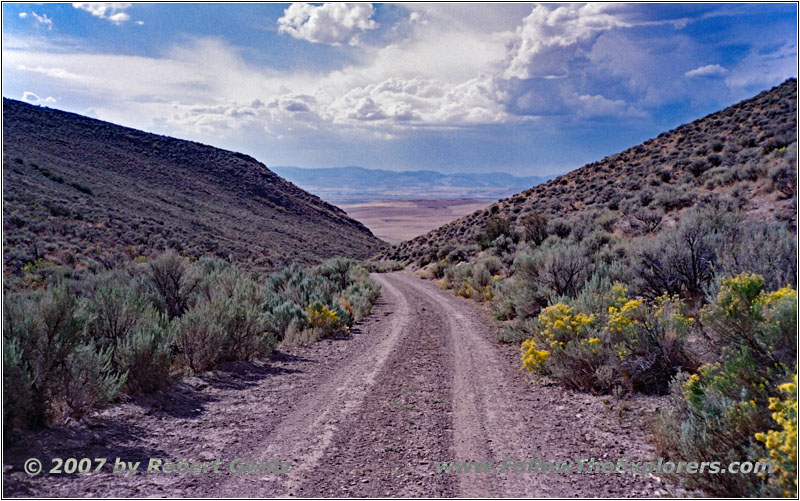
{"x":521,"y":88}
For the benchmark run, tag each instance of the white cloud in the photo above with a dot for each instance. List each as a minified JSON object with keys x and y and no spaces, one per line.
{"x":709,"y":70}
{"x":30,"y":97}
{"x":330,"y":23}
{"x":43,"y":20}
{"x":112,"y":11}
{"x":548,"y":38}
{"x":23,"y":15}
{"x":397,"y":103}
{"x":764,"y":67}
{"x":445,"y":70}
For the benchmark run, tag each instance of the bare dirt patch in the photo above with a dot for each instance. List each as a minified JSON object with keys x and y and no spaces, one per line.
{"x":420,"y":381}
{"x":398,"y":220}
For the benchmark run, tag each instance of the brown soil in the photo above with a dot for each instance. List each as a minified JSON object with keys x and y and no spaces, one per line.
{"x":420,"y":381}
{"x":397,"y":220}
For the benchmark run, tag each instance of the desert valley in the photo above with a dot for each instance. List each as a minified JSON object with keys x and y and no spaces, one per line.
{"x":181,"y":319}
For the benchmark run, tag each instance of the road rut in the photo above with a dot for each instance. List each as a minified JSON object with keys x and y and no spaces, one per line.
{"x":418,"y":382}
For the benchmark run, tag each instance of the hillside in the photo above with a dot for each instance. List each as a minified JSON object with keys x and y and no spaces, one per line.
{"x":357,"y":184}
{"x":78,"y":190}
{"x":742,"y":158}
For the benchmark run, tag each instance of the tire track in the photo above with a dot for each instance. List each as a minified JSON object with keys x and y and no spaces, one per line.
{"x":495,"y":417}
{"x":419,"y":381}
{"x":306,"y":433}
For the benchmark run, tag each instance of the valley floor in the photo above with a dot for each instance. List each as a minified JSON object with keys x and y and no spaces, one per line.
{"x":419,"y":381}
{"x":398,"y":220}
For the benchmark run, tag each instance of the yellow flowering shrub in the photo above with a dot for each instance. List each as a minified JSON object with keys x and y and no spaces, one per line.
{"x":320,"y":317}
{"x":533,"y":359}
{"x":559,"y":324}
{"x":782,"y":443}
{"x":724,"y":409}
{"x":629,"y":342}
{"x":465,"y":290}
{"x":773,"y":297}
{"x":622,"y":317}
{"x":558,"y":328}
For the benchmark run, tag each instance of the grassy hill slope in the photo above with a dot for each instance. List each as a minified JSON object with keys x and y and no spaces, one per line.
{"x":78,"y":190}
{"x":742,"y":158}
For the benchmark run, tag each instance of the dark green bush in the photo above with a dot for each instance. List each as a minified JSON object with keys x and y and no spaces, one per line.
{"x":138,"y":337}
{"x":535,"y":228}
{"x":552,"y":271}
{"x":679,"y":261}
{"x":495,"y":227}
{"x":171,"y":283}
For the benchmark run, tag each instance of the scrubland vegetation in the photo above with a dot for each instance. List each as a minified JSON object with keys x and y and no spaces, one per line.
{"x":676,"y":275}
{"x":83,"y":193}
{"x":704,"y":312}
{"x":75,"y":341}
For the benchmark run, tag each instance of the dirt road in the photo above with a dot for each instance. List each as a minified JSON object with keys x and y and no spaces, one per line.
{"x":418,"y":382}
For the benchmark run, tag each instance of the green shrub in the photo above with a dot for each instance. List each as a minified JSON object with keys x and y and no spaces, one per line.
{"x":679,"y":261}
{"x":138,"y":336}
{"x":495,"y":227}
{"x":57,"y":369}
{"x":171,"y":283}
{"x":535,"y":228}
{"x":200,"y":339}
{"x":627,"y":343}
{"x":769,"y":250}
{"x":503,"y":304}
{"x":145,"y":353}
{"x":551,"y":271}
{"x":459,"y":276}
{"x":19,"y":406}
{"x":235,"y":324}
{"x":361,"y":295}
{"x":717,"y":414}
{"x":77,"y":343}
{"x":282,"y":314}
{"x":384,"y":266}
{"x":559,"y":227}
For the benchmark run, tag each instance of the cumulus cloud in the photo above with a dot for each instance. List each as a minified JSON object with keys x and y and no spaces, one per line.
{"x":446,"y":70}
{"x":23,"y":15}
{"x":111,"y":11}
{"x":549,"y":37}
{"x":330,"y":23}
{"x":709,"y":70}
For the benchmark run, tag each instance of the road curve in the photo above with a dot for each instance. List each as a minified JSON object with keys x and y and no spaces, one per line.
{"x":419,"y":382}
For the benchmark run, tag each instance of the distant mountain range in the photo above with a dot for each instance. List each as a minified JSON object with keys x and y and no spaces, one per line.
{"x":357,"y":184}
